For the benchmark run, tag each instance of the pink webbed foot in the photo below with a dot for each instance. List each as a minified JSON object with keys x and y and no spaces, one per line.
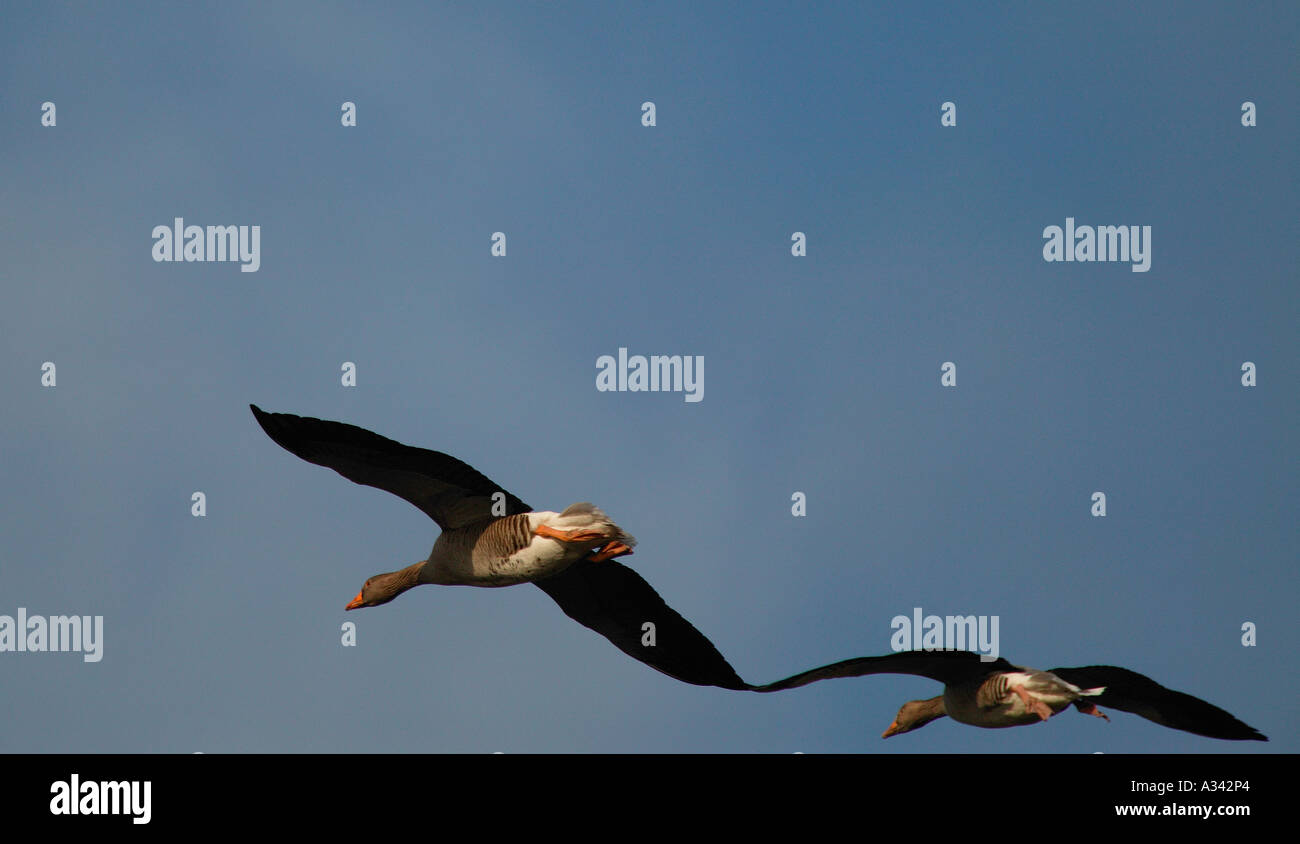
{"x":569,"y":535}
{"x":1033,"y":704}
{"x":609,"y":552}
{"x":1090,"y":709}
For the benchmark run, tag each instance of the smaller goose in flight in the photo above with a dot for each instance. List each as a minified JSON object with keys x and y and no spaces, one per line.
{"x":999,"y":694}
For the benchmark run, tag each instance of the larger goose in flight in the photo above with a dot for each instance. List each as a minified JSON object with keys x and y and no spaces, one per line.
{"x":998,"y":694}
{"x":492,"y":538}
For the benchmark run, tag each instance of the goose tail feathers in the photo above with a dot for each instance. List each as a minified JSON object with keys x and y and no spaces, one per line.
{"x":587,"y":516}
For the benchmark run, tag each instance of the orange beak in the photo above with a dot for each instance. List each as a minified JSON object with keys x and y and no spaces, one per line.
{"x":891,"y":731}
{"x":356,"y":602}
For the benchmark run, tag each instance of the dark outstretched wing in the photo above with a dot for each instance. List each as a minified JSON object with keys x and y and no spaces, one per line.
{"x":450,"y":492}
{"x":1130,"y":691}
{"x":948,"y":667}
{"x":614,"y":601}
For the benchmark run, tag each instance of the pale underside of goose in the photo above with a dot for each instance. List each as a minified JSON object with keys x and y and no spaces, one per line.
{"x":998,"y":694}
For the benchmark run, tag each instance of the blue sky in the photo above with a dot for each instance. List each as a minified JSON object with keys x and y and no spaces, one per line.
{"x":822,"y":372}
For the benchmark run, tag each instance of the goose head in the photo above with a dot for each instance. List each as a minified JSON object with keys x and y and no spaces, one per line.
{"x":383,"y":588}
{"x":914,"y":715}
